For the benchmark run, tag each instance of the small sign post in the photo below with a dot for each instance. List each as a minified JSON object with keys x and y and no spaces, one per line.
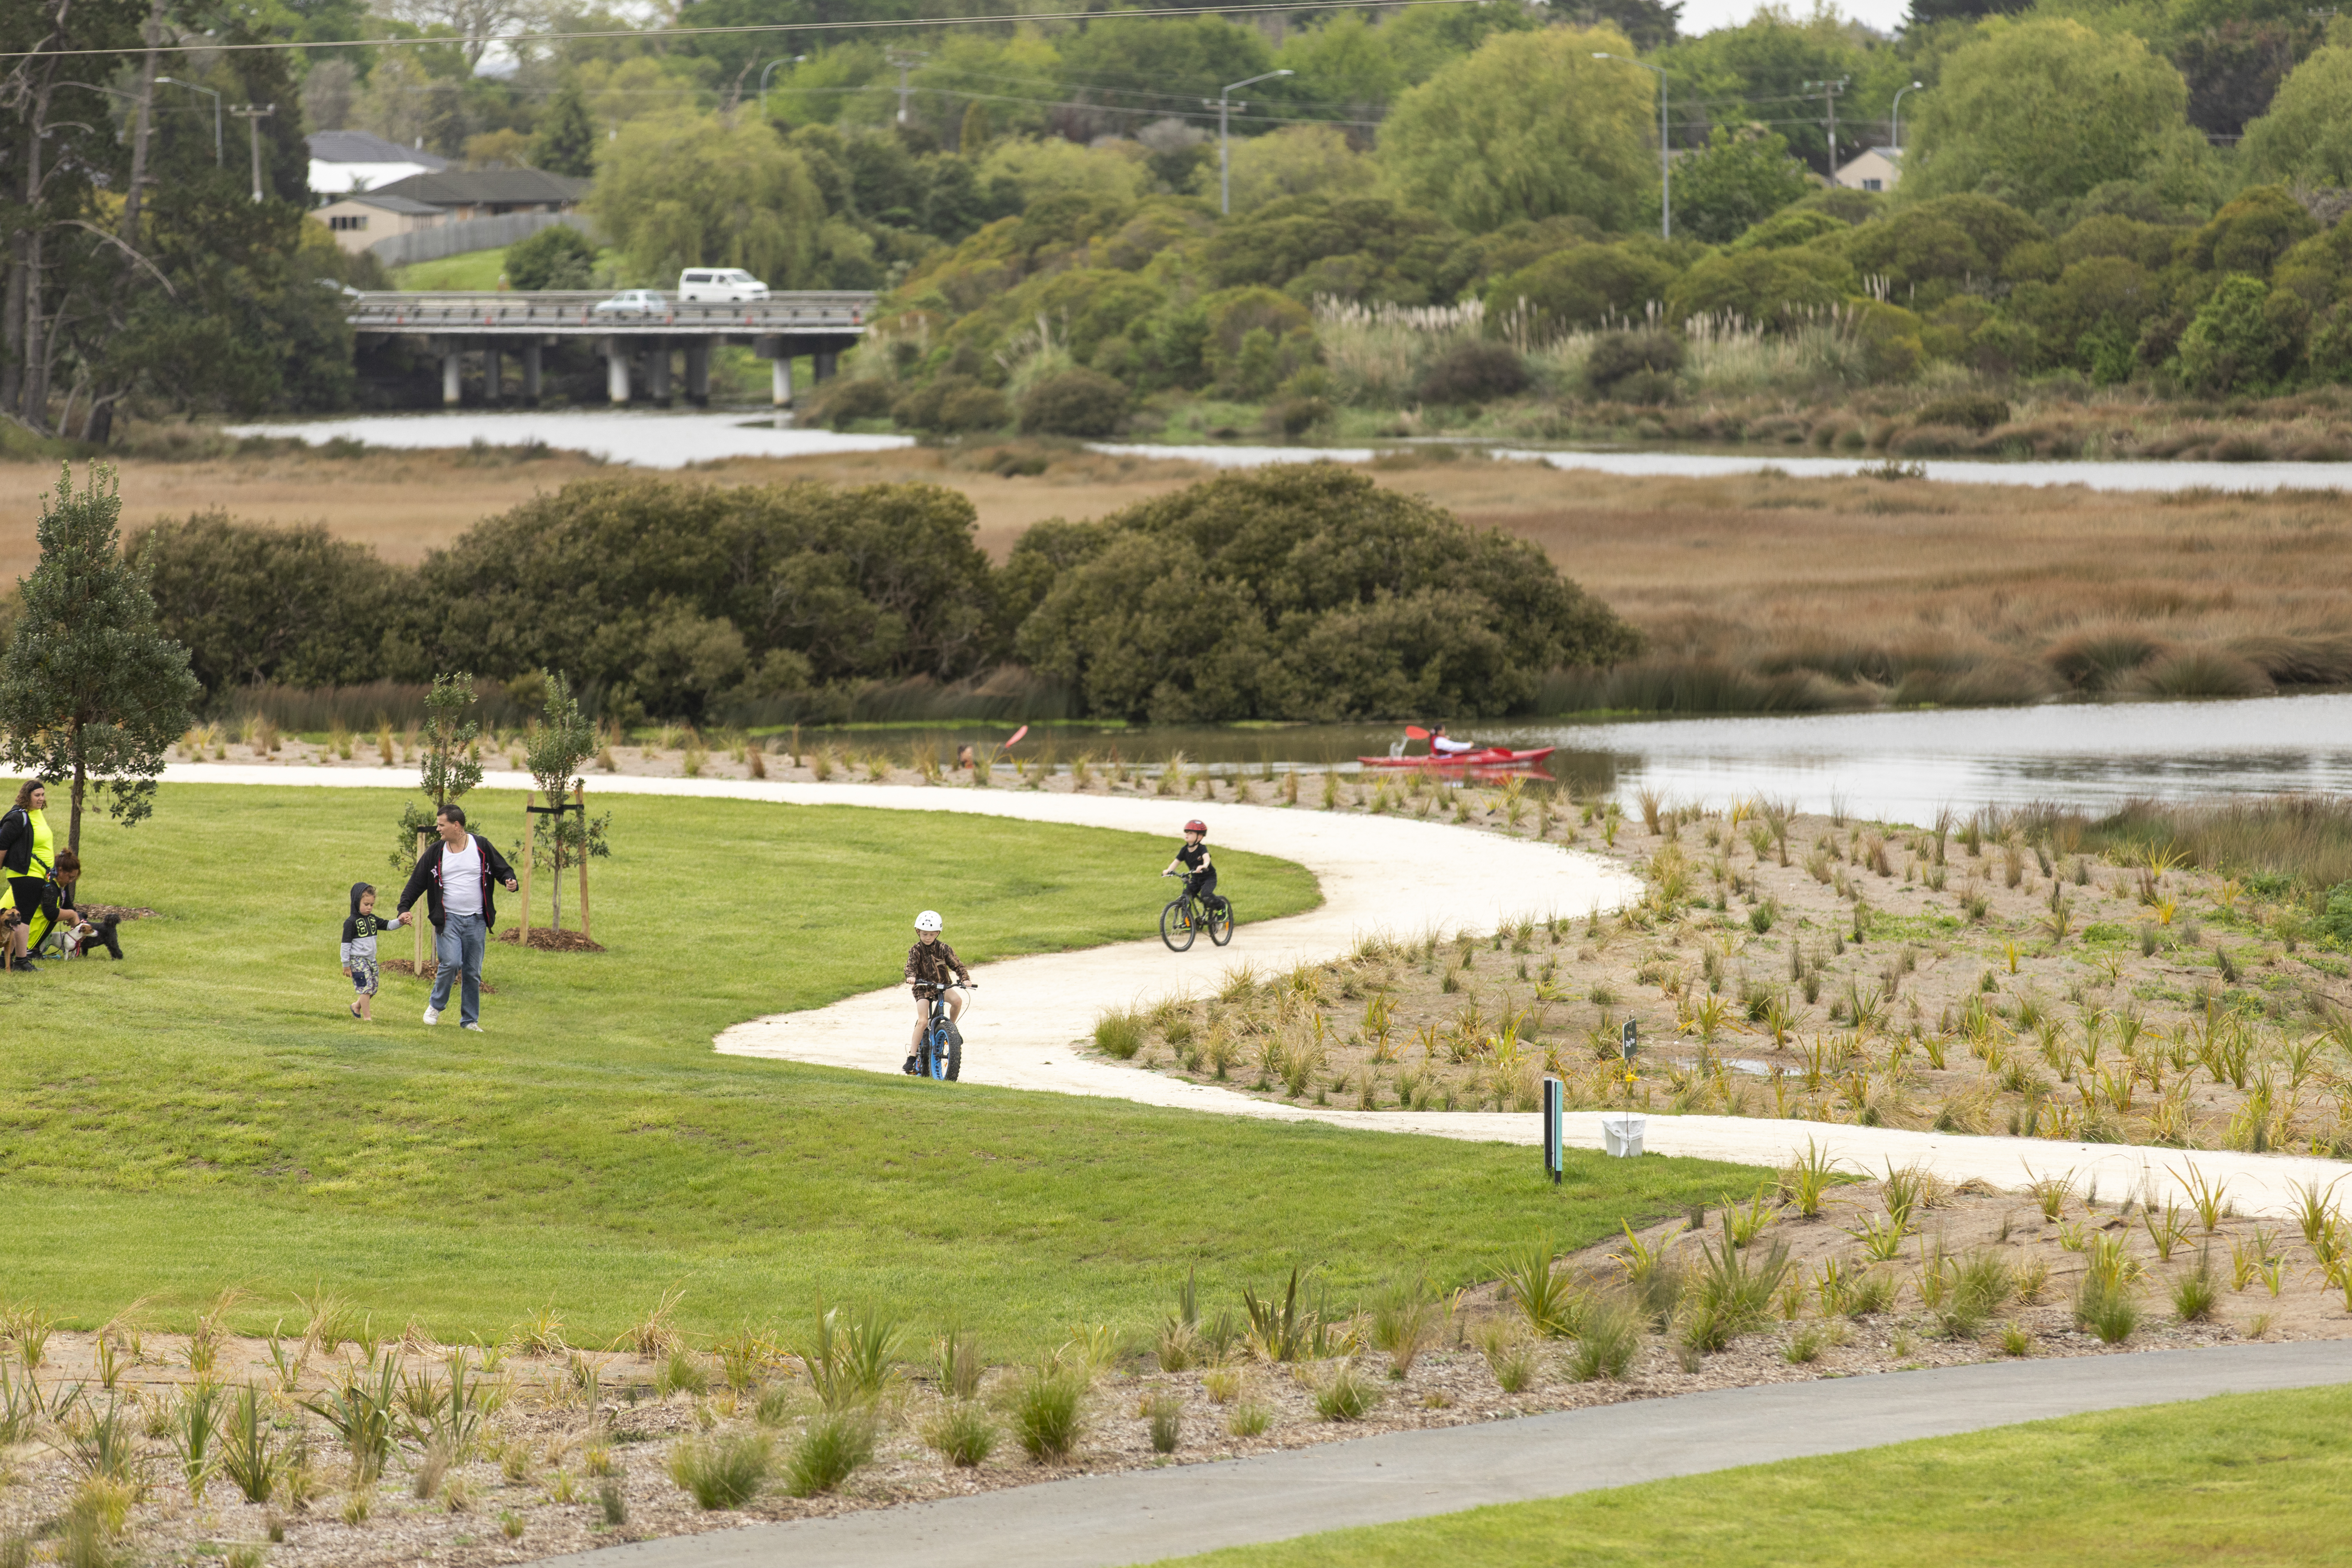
{"x":1555,"y":1104}
{"x":1628,"y":1042}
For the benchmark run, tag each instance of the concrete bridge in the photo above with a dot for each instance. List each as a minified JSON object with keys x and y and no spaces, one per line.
{"x":492,"y":325}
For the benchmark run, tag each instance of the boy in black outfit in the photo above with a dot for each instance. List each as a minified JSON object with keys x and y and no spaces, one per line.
{"x":1199,"y":872}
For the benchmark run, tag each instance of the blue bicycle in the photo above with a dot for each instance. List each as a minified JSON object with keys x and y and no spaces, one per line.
{"x":940,"y":1055}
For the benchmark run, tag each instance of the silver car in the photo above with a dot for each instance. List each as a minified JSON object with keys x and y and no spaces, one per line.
{"x":634,"y":302}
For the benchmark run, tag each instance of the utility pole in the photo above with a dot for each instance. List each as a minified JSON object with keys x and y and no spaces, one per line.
{"x":1223,"y":103}
{"x":1829,"y":91}
{"x":905,"y":62}
{"x":253,"y":115}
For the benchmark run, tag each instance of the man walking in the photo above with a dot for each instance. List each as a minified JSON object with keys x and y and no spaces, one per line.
{"x":457,"y":877}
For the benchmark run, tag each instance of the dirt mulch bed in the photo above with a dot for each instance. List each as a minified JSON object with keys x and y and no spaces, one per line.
{"x":119,"y":911}
{"x":554,"y":941}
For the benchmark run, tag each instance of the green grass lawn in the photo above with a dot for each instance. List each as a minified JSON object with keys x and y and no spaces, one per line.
{"x":2245,"y":1479}
{"x":207,"y":1115}
{"x":468,"y":269}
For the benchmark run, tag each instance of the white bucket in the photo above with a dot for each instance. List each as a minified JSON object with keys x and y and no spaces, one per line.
{"x":1621,"y":1133}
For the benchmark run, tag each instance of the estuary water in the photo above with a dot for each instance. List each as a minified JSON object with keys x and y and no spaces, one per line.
{"x":652,"y":438}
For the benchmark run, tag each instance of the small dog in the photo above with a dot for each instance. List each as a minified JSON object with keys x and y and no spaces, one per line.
{"x":76,"y":941}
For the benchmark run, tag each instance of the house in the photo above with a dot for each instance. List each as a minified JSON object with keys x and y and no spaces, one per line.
{"x":461,"y":193}
{"x":364,"y":217}
{"x":343,"y":162}
{"x":1874,"y":169}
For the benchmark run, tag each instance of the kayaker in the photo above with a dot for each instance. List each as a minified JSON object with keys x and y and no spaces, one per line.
{"x":1439,"y":746}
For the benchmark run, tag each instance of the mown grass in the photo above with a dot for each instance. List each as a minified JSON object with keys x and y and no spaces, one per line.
{"x":206,"y":1115}
{"x":2254,"y":1479}
{"x":467,"y":270}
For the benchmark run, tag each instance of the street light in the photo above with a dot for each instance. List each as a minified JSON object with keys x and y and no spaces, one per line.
{"x":1665,"y":168}
{"x":1224,"y":159}
{"x":1898,"y":114}
{"x":192,"y":86}
{"x":772,"y":65}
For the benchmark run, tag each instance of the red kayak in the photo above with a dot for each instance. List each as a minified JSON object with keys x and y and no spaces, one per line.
{"x":1486,"y":757}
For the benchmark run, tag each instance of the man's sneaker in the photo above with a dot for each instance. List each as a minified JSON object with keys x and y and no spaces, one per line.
{"x":476,"y":1027}
{"x":433,"y":1014}
{"x":909,"y":1068}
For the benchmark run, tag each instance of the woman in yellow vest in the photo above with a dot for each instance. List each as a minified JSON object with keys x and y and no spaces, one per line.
{"x":27,"y":854}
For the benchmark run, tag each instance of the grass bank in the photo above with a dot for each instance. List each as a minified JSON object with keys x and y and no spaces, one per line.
{"x":2243,"y":1479}
{"x":206,"y":1116}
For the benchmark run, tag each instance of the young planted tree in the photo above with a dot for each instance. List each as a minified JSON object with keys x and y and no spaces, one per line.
{"x":445,"y":763}
{"x":561,"y":743}
{"x":93,"y":691}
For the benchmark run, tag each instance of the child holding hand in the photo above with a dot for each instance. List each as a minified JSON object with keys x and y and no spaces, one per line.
{"x":359,"y":948}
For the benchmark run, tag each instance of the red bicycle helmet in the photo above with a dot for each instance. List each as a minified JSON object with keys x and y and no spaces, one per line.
{"x":1196,"y":825}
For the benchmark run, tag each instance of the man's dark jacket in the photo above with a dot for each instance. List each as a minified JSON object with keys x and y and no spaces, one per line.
{"x":427,"y":879}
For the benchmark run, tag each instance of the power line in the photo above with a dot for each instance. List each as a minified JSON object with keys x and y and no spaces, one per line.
{"x":1290,"y":7}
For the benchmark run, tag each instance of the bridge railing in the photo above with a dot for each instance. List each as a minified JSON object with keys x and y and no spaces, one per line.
{"x":576,"y":308}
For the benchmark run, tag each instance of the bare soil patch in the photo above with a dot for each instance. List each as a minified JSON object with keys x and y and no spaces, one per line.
{"x":551,"y":941}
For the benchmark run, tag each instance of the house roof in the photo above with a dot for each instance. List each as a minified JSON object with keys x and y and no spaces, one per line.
{"x":407,"y":206}
{"x":472,"y":187}
{"x":366,"y":147}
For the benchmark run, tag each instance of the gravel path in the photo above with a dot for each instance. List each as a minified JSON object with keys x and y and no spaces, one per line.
{"x":1143,"y":1516}
{"x":1387,"y":874}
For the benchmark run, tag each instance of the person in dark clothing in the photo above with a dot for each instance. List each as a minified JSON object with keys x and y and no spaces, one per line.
{"x":358,"y":948}
{"x":1192,"y":860}
{"x":458,"y":879}
{"x":933,"y":970}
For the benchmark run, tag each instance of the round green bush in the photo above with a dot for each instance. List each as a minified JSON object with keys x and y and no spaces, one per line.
{"x":1081,"y":402}
{"x":1474,"y":371}
{"x":839,"y":402}
{"x":557,"y":256}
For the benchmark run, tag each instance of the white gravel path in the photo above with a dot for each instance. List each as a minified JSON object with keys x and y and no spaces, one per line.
{"x":1384,"y":874}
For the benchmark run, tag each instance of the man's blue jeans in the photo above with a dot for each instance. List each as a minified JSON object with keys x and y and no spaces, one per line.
{"x":458,"y":946}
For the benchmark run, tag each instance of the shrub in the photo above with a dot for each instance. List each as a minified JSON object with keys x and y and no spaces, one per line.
{"x":1300,"y":591}
{"x":1081,"y":402}
{"x":952,"y":402}
{"x":1978,"y":410}
{"x":1049,"y":1411}
{"x":1610,"y":1339}
{"x":836,"y":1445}
{"x":1581,"y":286}
{"x":254,"y":604}
{"x":721,"y":1472}
{"x":2231,"y":343}
{"x":1118,"y":1033}
{"x":841,"y":401}
{"x":1345,"y":1393}
{"x":559,"y":256}
{"x":1473,"y":372}
{"x":963,"y":1434}
{"x":1628,"y":365}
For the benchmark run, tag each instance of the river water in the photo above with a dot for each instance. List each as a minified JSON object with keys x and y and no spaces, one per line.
{"x":656,"y":439}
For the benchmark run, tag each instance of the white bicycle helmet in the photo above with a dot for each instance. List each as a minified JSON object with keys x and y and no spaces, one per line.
{"x":928,"y":920}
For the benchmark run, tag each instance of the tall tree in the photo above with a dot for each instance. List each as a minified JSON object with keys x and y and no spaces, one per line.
{"x":1530,"y":127}
{"x":565,"y":142}
{"x":2040,"y":111}
{"x":93,"y":691}
{"x":686,"y":190}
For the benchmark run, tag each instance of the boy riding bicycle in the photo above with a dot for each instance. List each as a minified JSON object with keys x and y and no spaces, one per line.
{"x":1199,"y":872}
{"x":933,"y":970}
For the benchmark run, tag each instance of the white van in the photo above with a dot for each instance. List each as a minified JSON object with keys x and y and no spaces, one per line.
{"x":723,"y":284}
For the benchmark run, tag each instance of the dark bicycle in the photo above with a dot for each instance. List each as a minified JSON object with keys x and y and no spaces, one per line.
{"x":1186,"y":916}
{"x":940,"y":1053}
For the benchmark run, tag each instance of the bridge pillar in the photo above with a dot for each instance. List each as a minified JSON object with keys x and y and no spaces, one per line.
{"x":531,"y":370}
{"x":452,"y":393}
{"x":780,"y":376}
{"x":698,"y":372}
{"x":826,"y":362}
{"x":494,"y":373}
{"x":616,"y":369}
{"x":657,"y":371}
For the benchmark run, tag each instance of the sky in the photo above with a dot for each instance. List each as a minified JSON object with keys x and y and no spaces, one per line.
{"x":1707,"y":16}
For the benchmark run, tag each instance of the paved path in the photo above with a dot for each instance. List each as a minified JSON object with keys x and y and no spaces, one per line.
{"x":1378,"y":874}
{"x":1141,"y":1516}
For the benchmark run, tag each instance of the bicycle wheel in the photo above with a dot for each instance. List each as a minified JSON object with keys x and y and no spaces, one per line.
{"x":1221,"y":923}
{"x":934,"y":1059}
{"x":949,"y":1063}
{"x":1176,"y":925}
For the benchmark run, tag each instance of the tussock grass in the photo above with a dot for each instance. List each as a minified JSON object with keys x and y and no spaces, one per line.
{"x":963,"y":1434}
{"x":836,"y":1445}
{"x":1048,"y":1411}
{"x":721,"y":1471}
